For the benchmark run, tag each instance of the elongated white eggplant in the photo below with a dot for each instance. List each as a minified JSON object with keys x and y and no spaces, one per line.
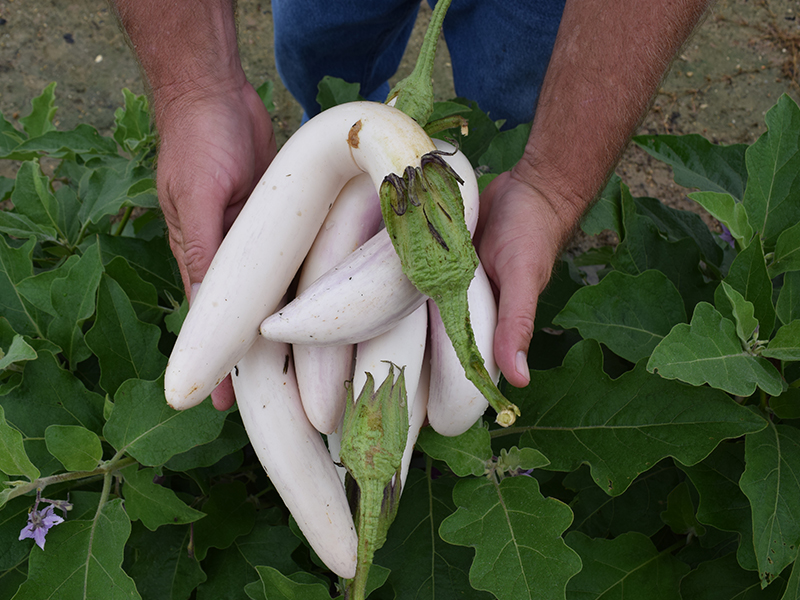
{"x":366,"y":294}
{"x":267,"y":243}
{"x":294,"y":454}
{"x":323,"y":371}
{"x":417,"y":414}
{"x":454,"y":403}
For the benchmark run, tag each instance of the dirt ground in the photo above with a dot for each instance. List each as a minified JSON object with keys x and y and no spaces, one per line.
{"x":742,"y":58}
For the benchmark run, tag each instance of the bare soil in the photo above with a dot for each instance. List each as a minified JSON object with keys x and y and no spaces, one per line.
{"x":740,"y":60}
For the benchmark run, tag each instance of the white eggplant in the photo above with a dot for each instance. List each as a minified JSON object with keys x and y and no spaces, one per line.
{"x":417,"y":414}
{"x":264,"y":248}
{"x":367,"y":293}
{"x":294,"y":454}
{"x":454,"y":403}
{"x":322,"y":371}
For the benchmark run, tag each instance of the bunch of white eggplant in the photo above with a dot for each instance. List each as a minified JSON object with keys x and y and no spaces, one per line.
{"x":316,"y":213}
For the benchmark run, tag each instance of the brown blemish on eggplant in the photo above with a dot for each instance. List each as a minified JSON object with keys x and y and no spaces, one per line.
{"x":352,"y":137}
{"x":286,"y":365}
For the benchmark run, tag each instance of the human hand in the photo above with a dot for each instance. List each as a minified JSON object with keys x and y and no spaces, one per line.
{"x":215,"y":146}
{"x":521,"y":231}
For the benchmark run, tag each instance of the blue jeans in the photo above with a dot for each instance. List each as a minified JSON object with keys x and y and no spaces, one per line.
{"x":499,"y":49}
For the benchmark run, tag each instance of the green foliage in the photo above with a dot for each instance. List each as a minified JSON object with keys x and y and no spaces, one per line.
{"x":657,"y":455}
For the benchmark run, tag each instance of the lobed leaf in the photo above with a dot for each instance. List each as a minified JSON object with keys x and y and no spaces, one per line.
{"x":13,"y":458}
{"x":708,"y":351}
{"x":421,"y":564}
{"x":628,"y":566}
{"x":621,"y":427}
{"x":467,"y":454}
{"x":727,"y":211}
{"x":723,"y":579}
{"x":786,"y":343}
{"x":787,"y":252}
{"x":152,"y":504}
{"x":516,"y":533}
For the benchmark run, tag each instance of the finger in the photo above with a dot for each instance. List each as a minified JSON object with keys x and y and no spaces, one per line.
{"x":222,"y":397}
{"x":516,"y":310}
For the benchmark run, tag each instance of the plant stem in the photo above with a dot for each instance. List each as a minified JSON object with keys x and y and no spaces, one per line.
{"x":106,"y":469}
{"x":124,"y":221}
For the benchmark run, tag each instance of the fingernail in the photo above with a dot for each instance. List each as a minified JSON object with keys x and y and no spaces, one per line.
{"x":522,"y":365}
{"x":193,"y":292}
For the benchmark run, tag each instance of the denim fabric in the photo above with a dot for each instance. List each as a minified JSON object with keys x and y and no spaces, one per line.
{"x":499,"y":49}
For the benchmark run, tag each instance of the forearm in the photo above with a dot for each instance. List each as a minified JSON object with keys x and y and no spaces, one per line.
{"x":609,"y":59}
{"x":184,"y":47}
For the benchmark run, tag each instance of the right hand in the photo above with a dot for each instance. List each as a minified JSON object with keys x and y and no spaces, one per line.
{"x":215,"y":146}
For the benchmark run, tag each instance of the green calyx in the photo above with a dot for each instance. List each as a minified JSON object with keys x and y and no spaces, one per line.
{"x":414,"y":94}
{"x":424,"y":216}
{"x":374,"y":435}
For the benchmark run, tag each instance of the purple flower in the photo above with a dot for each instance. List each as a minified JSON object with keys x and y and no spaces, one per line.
{"x":39,"y":523}
{"x":727,"y":236}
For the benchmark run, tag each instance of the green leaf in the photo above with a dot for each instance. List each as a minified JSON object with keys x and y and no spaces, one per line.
{"x":787,"y":405}
{"x":333,"y":91}
{"x":602,"y":516}
{"x":16,"y":265}
{"x":676,"y":224}
{"x":565,"y":280}
{"x":786,"y":343}
{"x":18,"y":351}
{"x":144,"y":426}
{"x":727,"y":211}
{"x":103,"y":192}
{"x":73,"y":301}
{"x":793,"y":585}
{"x":33,"y":198}
{"x":43,"y":110}
{"x":82,"y":559}
{"x":84,"y":140}
{"x":773,"y":164}
{"x":723,"y":579}
{"x":126,"y":347}
{"x":697,"y":163}
{"x":164,"y":568}
{"x":788,"y":306}
{"x":50,"y":395}
{"x":133,"y":125}
{"x":771,"y":481}
{"x":644,"y":247}
{"x":630,"y":314}
{"x":20,"y":226}
{"x":516,"y":533}
{"x":277,"y":586}
{"x":14,"y":553}
{"x":75,"y":447}
{"x":627,"y":566}
{"x":748,"y":276}
{"x":142,"y":294}
{"x":152,"y":504}
{"x":743,"y":311}
{"x":233,"y":568}
{"x":265,"y":92}
{"x":722,"y":504}
{"x":421,"y":564}
{"x":13,"y":458}
{"x":679,"y":515}
{"x":152,"y":259}
{"x":708,"y":351}
{"x":606,"y":213}
{"x":467,"y":454}
{"x":232,"y":438}
{"x":506,"y":149}
{"x":229,"y":514}
{"x":577,"y":414}
{"x":787,"y":252}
